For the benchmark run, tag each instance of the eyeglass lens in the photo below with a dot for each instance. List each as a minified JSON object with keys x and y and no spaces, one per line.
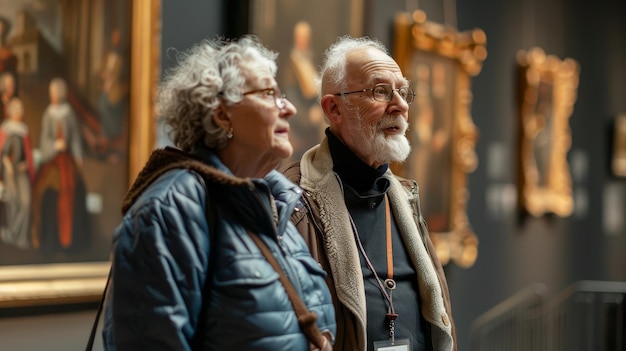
{"x":279,"y":99}
{"x":384,"y":93}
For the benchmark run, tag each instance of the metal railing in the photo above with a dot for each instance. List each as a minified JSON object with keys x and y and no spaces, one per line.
{"x":586,"y":316}
{"x":515,"y":324}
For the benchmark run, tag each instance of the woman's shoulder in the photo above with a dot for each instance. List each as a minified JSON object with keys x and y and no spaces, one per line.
{"x":175,"y":187}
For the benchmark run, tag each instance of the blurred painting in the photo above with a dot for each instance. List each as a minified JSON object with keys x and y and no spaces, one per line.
{"x":547,"y":92}
{"x":300,"y":31}
{"x":618,"y":157}
{"x":431,"y":119}
{"x":439,"y":61}
{"x":64,"y":106}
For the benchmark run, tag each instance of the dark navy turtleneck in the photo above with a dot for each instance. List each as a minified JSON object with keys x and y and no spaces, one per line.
{"x":352,"y":170}
{"x":364,"y":192}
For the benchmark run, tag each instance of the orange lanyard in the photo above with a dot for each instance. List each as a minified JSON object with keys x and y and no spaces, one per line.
{"x":389,"y":244}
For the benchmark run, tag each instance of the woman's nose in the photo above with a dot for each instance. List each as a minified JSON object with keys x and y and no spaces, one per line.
{"x":289,"y":109}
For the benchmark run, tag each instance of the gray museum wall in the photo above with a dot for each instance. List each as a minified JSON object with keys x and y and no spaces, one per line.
{"x":514,"y":252}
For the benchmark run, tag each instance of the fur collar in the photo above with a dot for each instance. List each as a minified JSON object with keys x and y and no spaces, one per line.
{"x":168,"y":158}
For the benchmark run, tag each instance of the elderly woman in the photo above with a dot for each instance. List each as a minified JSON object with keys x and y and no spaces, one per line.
{"x":188,"y":269}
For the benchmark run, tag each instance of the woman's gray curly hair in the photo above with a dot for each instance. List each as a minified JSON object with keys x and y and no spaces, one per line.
{"x":209,"y":71}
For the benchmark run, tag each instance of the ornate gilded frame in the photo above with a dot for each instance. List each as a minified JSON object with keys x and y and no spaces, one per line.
{"x":546,"y":96}
{"x":418,"y":44}
{"x":71,"y":283}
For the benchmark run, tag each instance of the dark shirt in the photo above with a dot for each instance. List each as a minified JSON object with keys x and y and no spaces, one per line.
{"x":364,"y":192}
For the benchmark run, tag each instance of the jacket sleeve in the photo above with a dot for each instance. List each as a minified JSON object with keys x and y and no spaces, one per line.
{"x":302,"y":216}
{"x":160,"y":259}
{"x":303,"y":221}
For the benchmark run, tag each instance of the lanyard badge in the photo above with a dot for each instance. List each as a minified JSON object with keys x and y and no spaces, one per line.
{"x":386,"y":288}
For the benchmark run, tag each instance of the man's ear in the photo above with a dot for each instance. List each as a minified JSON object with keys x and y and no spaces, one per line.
{"x":331,"y":109}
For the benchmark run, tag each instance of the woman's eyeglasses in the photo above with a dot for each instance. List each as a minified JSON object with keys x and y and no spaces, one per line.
{"x":279,"y":99}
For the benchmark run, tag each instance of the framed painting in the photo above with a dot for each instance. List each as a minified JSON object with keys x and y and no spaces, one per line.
{"x":547,"y":91}
{"x":618,"y":154}
{"x":77,"y":84}
{"x":300,"y":31}
{"x":439,"y":61}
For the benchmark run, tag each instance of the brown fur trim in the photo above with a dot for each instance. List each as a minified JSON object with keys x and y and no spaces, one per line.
{"x":163,"y":160}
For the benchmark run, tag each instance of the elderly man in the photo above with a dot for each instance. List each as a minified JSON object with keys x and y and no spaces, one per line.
{"x":362,"y":223}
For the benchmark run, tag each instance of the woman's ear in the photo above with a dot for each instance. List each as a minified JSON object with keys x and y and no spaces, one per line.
{"x":331,"y":109}
{"x":221,"y":117}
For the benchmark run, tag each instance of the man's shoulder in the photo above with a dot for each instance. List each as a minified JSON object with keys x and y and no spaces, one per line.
{"x":291,"y":170}
{"x":406,"y":182}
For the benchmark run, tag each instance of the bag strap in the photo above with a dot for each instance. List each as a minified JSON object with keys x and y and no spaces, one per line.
{"x":306,"y":318}
{"x":94,"y":327}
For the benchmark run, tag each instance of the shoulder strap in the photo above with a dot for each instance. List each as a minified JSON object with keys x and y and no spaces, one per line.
{"x":306,"y":318}
{"x":94,"y":327}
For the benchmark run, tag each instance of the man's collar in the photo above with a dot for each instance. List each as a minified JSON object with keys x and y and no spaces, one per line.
{"x":351,"y":169}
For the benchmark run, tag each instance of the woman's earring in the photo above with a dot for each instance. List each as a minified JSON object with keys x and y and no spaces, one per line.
{"x":229,"y":134}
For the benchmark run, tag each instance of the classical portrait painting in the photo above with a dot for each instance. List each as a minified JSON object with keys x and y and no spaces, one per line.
{"x":439,"y":61}
{"x":547,"y":92}
{"x":75,"y":113}
{"x":63,"y":136}
{"x":300,"y":31}
{"x":431,"y":117}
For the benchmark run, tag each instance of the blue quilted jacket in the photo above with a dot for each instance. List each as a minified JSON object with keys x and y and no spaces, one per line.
{"x":165,"y":250}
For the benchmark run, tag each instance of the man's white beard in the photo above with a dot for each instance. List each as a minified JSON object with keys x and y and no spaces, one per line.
{"x":395,"y":147}
{"x":381,"y":148}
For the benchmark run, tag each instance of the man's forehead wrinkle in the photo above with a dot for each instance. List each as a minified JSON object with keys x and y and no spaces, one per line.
{"x":368,"y":66}
{"x":388,"y":77}
{"x":379,"y":65}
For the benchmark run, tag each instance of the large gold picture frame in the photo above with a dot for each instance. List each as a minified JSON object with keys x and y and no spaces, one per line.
{"x":439,"y":61}
{"x":546,"y":96}
{"x":82,"y":280}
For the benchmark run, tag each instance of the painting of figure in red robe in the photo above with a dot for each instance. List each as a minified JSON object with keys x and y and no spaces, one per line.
{"x":64,"y":110}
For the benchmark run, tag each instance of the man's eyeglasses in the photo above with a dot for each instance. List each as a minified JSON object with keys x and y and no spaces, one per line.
{"x":384,"y":93}
{"x":279,"y":99}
